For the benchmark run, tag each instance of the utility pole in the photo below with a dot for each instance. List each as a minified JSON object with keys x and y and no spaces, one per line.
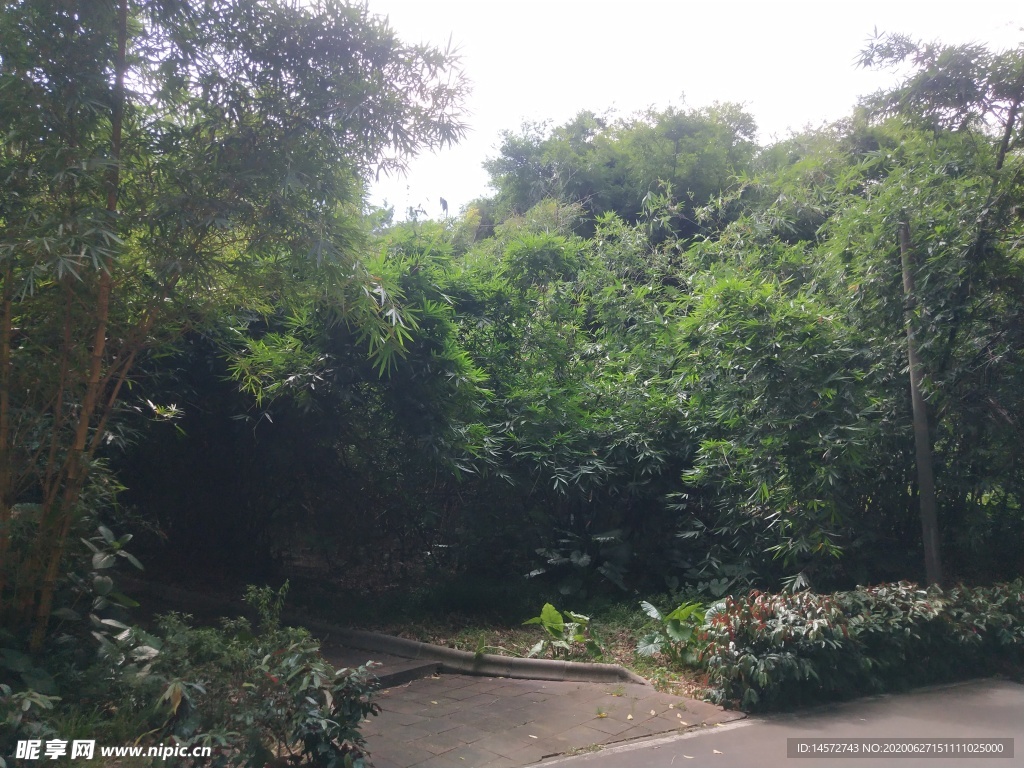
{"x":922,"y":442}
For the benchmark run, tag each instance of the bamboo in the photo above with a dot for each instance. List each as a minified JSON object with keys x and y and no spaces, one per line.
{"x":6,"y":471}
{"x":78,"y":456}
{"x":922,"y":442}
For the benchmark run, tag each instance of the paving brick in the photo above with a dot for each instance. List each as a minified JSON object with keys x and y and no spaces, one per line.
{"x":502,"y":723}
{"x":427,"y":688}
{"x":471,"y":756}
{"x":505,"y":744}
{"x":510,"y":690}
{"x":501,"y":762}
{"x":485,"y":684}
{"x":397,"y":753}
{"x":509,"y":709}
{"x":542,"y":727}
{"x":379,"y":762}
{"x":432,"y":698}
{"x":418,"y":731}
{"x":388,"y":719}
{"x":397,"y":704}
{"x":497,"y":724}
{"x":533,"y":699}
{"x":551,"y":690}
{"x":468,"y":692}
{"x":443,"y":708}
{"x":439,"y":743}
{"x":477,"y":699}
{"x":609,"y":725}
{"x":636,"y":732}
{"x":580,"y":736}
{"x":441,"y":761}
{"x":532,"y":754}
{"x":669,"y":721}
{"x":466,"y":734}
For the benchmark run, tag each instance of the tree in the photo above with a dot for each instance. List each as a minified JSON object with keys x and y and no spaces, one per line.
{"x":922,"y":440}
{"x":163,"y":164}
{"x":971,"y":97}
{"x":612,"y":166}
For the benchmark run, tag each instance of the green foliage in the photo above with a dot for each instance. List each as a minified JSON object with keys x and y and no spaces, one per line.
{"x":257,"y":697}
{"x":773,"y":389}
{"x":23,"y":715}
{"x":179,"y":167}
{"x":253,"y":696}
{"x":91,"y":615}
{"x":565,"y":636}
{"x":656,"y":329}
{"x":268,"y":605}
{"x":609,"y":166}
{"x":951,"y":88}
{"x":780,"y":650}
{"x":675,"y":635}
{"x":580,"y":558}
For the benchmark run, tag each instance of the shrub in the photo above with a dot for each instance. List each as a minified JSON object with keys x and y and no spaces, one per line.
{"x":256,"y":697}
{"x":568,"y":636}
{"x":22,"y":716}
{"x":674,"y":635}
{"x":773,"y":650}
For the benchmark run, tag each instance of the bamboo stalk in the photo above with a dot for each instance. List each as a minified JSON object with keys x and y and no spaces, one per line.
{"x":922,"y":442}
{"x":6,"y":470}
{"x":76,"y":465}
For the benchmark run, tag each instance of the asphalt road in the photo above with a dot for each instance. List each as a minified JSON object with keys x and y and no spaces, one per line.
{"x":984,"y":709}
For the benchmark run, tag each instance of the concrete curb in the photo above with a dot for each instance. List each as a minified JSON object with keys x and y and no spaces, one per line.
{"x":398,"y":677}
{"x":449,"y":659}
{"x":484,"y":664}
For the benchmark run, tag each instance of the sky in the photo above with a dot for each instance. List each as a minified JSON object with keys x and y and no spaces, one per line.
{"x":791,"y":64}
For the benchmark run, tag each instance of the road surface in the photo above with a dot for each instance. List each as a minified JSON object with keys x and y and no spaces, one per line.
{"x":984,"y":709}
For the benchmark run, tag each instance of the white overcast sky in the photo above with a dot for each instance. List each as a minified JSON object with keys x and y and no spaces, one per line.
{"x":791,"y":64}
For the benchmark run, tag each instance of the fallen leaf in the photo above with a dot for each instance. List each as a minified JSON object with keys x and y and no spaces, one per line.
{"x":671,"y":706}
{"x":716,"y":751}
{"x":629,"y":717}
{"x":433,"y":702}
{"x":602,"y":714}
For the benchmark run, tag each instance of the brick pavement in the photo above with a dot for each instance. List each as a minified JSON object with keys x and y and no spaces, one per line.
{"x":476,"y":722}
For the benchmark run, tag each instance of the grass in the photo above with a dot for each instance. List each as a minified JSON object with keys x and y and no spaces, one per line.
{"x":584,"y":750}
{"x":487,"y":618}
{"x":478,"y":615}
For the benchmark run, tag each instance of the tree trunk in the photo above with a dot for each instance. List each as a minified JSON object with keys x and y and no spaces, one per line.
{"x":922,"y":442}
{"x":6,"y":473}
{"x":76,"y":467}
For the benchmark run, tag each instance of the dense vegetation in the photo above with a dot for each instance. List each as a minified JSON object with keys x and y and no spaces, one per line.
{"x":659,"y":355}
{"x":661,"y":358}
{"x":766,"y":651}
{"x":175,"y":171}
